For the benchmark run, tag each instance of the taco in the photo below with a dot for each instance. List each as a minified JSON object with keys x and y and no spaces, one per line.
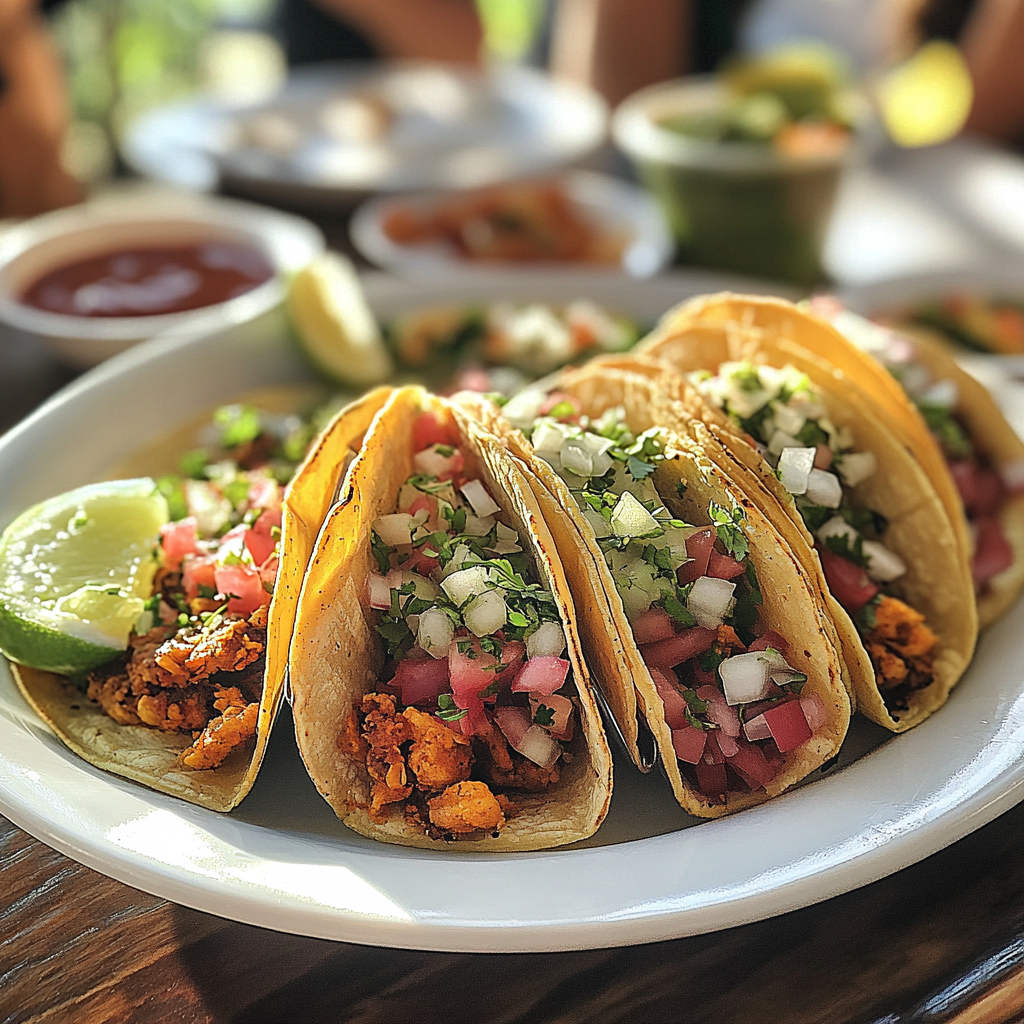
{"x":693,"y":610}
{"x":983,"y":454}
{"x":440,"y":696}
{"x":841,"y":462}
{"x":187,"y":709}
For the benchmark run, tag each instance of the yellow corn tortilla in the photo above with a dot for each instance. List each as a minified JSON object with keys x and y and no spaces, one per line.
{"x":336,"y":656}
{"x":791,"y":606}
{"x":150,"y":756}
{"x":921,"y":531}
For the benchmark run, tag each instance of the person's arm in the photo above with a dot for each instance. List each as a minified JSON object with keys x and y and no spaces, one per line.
{"x":993,"y":45}
{"x":619,"y":46}
{"x":33,"y":116}
{"x":445,"y":30}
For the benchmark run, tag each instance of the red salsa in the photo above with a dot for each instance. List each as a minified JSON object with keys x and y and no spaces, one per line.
{"x":150,"y":281}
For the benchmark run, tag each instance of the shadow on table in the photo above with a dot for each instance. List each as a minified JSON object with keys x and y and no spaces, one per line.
{"x":887,"y":952}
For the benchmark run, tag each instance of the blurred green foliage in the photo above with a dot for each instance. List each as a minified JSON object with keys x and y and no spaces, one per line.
{"x":510,"y":26}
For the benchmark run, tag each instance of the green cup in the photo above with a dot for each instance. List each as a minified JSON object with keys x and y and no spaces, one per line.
{"x":737,"y":205}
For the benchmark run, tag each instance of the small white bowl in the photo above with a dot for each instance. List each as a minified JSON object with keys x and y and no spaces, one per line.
{"x":45,"y":243}
{"x":610,"y":204}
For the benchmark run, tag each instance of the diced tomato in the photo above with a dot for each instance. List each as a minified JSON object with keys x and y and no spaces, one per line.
{"x":259,"y":540}
{"x":847,"y":581}
{"x":822,"y":456}
{"x":752,"y":764}
{"x":756,"y":728}
{"x":989,"y":492}
{"x":242,"y":586}
{"x":473,"y":669}
{"x":428,"y":430}
{"x":196,"y":573}
{"x":421,"y":563}
{"x":671,"y":698}
{"x":689,"y":743}
{"x":421,"y":680}
{"x":992,"y":551}
{"x":265,"y":493}
{"x":727,"y":744}
{"x":512,"y":654}
{"x":770,"y":639}
{"x":653,"y":625}
{"x":964,"y":473}
{"x":179,"y":539}
{"x":698,"y":547}
{"x":722,"y":567}
{"x":679,"y":648}
{"x":788,"y":725}
{"x":268,"y":570}
{"x":541,"y":675}
{"x":476,"y":721}
{"x":711,"y":778}
{"x":712,"y":751}
{"x":232,"y":543}
{"x":473,"y":378}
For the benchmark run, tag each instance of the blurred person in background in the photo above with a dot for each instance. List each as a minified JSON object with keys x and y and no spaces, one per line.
{"x":33,"y":115}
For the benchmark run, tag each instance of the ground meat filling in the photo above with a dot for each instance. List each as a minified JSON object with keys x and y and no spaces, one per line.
{"x":206,"y":682}
{"x":442,"y":778}
{"x":902,"y":651}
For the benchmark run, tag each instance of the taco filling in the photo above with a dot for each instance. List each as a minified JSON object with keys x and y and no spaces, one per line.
{"x":691,"y":595}
{"x":478,"y":703}
{"x":196,"y":658}
{"x":818,"y":464}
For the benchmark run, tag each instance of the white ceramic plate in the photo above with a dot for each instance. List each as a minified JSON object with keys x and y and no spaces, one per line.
{"x":453,"y":128}
{"x":614,"y":206}
{"x":283,"y":861}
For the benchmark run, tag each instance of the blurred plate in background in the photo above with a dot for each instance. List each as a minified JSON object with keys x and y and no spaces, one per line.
{"x":336,"y":133}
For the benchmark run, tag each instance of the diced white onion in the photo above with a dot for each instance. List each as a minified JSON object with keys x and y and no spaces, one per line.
{"x":780,"y":441}
{"x":795,"y":465}
{"x":744,"y":677}
{"x":856,"y":467}
{"x":487,"y":613}
{"x":596,"y":444}
{"x":547,"y":641}
{"x":395,"y":529}
{"x":524,"y":408}
{"x":837,"y":526}
{"x":824,"y":488}
{"x":883,"y":565}
{"x":477,"y":527}
{"x":538,"y":747}
{"x":434,"y":633}
{"x":1013,"y":474}
{"x":709,"y":600}
{"x":576,"y":459}
{"x":476,"y":494}
{"x":788,"y":419}
{"x":630,"y":518}
{"x":431,"y":462}
{"x":380,"y":592}
{"x":943,"y":393}
{"x":460,"y":556}
{"x":507,"y":541}
{"x":466,"y":583}
{"x":548,"y":436}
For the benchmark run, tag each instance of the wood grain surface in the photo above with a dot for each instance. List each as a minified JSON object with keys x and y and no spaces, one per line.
{"x":940,"y":941}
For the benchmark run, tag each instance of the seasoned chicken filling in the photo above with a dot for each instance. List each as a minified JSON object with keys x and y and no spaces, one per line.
{"x":902,"y":651}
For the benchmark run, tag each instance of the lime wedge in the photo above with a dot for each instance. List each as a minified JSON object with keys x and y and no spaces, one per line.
{"x":334,"y":323}
{"x":75,"y":572}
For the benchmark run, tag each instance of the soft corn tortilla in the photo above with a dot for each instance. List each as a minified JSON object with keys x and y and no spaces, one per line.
{"x":790,"y":607}
{"x":996,"y":440}
{"x":336,"y":655}
{"x":151,"y":757}
{"x":938,"y":582}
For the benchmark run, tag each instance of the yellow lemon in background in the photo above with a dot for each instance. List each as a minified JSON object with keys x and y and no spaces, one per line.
{"x":927,"y":99}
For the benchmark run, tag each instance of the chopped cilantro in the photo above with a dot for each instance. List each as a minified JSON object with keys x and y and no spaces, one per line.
{"x":562,"y":410}
{"x":866,"y":617}
{"x":545,"y":716}
{"x":680,"y":488}
{"x":239,"y":424}
{"x":678,"y":611}
{"x":381,"y":552}
{"x":173,"y":490}
{"x":812,"y":435}
{"x":193,"y":464}
{"x":448,"y":710}
{"x":814,"y":516}
{"x":710,"y":659}
{"x":840,"y":545}
{"x":729,"y":527}
{"x":943,"y":424}
{"x":864,"y":520}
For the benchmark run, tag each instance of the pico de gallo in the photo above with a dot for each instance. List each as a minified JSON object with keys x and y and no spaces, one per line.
{"x":196,"y":656}
{"x":983,"y":488}
{"x":691,"y":594}
{"x":502,"y":346}
{"x":818,"y":464}
{"x":478,"y":701}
